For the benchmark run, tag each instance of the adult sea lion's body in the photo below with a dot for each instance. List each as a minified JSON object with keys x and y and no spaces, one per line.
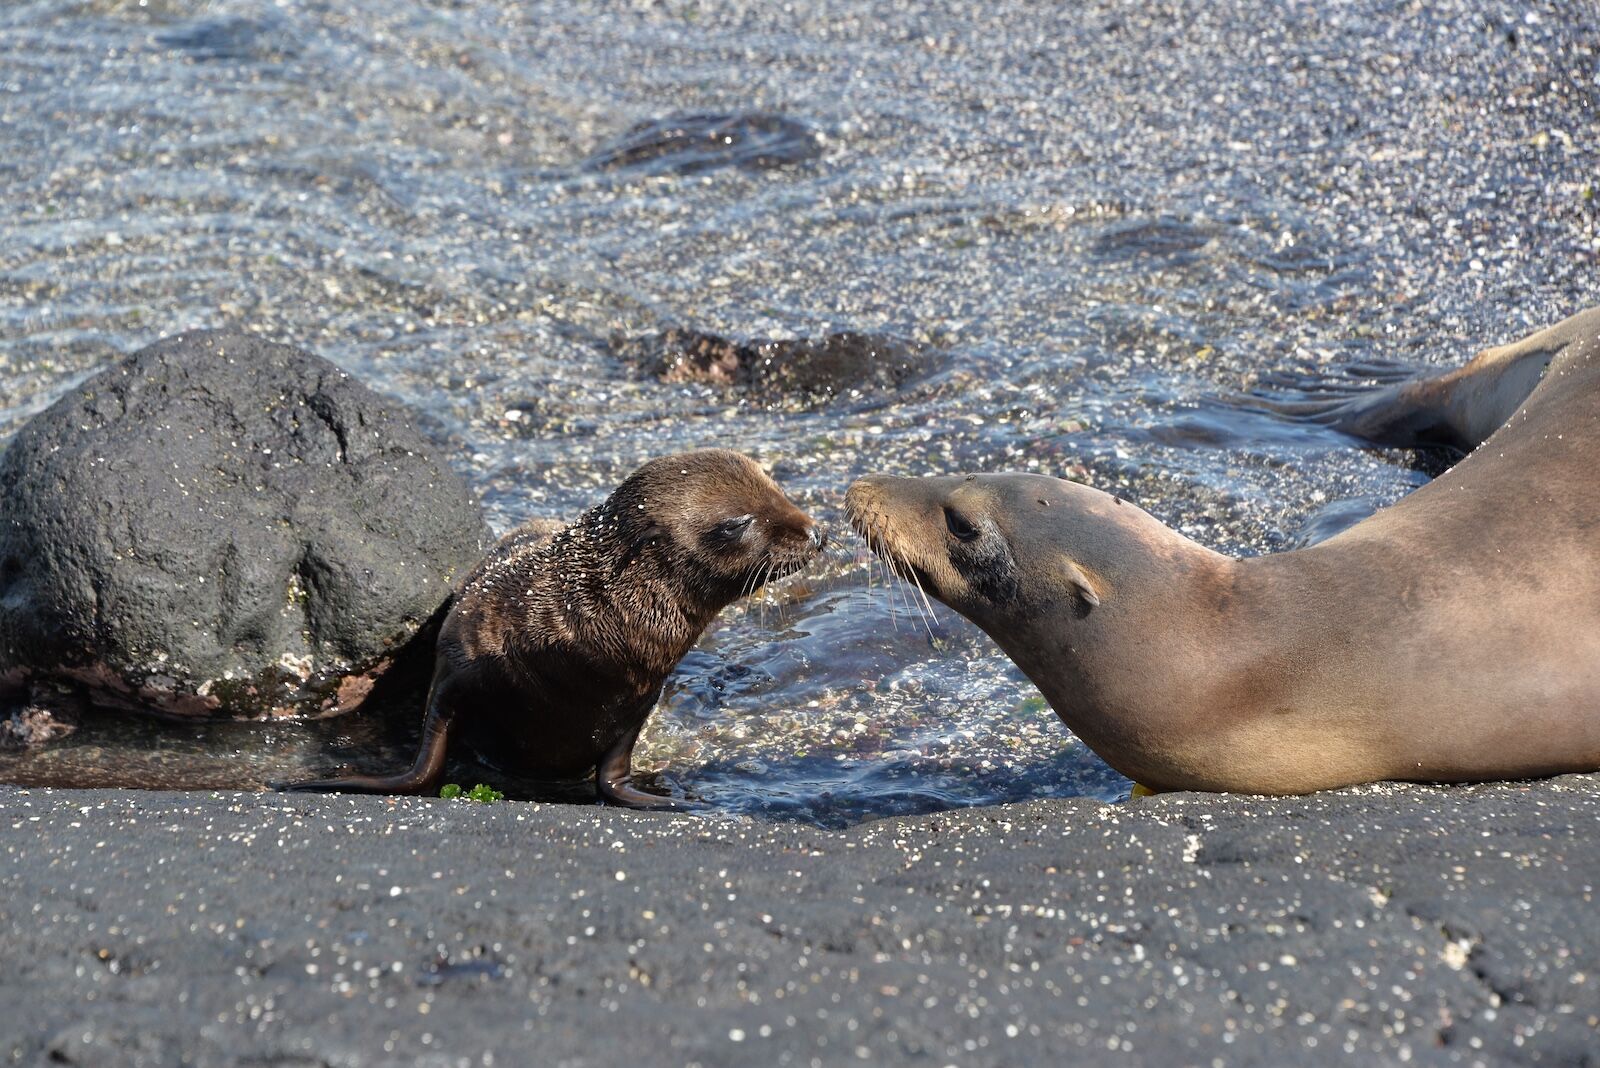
{"x":1454,"y":636}
{"x":555,"y":649}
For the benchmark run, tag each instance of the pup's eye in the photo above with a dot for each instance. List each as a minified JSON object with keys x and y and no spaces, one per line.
{"x":957,"y":524}
{"x":732,"y":528}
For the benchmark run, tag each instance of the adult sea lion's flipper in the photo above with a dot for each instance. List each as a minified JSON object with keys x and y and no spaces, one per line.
{"x":1457,"y":409}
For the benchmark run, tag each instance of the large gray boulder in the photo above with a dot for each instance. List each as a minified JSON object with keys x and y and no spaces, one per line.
{"x":223,"y":526}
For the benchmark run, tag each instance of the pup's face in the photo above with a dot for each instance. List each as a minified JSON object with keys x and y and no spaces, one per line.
{"x":728,"y":522}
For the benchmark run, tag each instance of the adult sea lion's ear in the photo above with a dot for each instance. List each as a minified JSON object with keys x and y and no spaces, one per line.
{"x":1079,"y":582}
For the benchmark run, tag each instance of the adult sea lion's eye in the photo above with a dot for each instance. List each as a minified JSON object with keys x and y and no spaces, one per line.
{"x":957,"y":524}
{"x":732,"y":528}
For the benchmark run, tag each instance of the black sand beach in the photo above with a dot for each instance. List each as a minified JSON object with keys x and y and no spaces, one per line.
{"x":1377,"y":925}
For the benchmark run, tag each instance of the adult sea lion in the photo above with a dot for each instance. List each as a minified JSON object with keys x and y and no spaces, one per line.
{"x":555,"y":649}
{"x":1454,"y":636}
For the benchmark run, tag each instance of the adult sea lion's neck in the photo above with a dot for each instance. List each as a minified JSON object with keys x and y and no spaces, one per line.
{"x":1185,"y":652}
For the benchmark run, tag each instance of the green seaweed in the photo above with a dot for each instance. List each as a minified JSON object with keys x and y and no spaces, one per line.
{"x":482,"y":793}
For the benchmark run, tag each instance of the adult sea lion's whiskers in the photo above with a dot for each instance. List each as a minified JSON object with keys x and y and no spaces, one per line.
{"x":894,"y":566}
{"x":929,"y":617}
{"x":890,"y":587}
{"x":924,"y":607}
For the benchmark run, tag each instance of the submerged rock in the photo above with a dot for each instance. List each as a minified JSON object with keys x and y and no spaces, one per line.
{"x":35,"y":723}
{"x":1162,"y":237}
{"x":690,"y":144}
{"x":233,"y":38}
{"x":775,"y":373}
{"x":220,"y":525}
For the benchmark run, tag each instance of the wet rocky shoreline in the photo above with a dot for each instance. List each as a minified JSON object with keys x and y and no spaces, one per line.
{"x":841,"y":238}
{"x":1379,"y":925}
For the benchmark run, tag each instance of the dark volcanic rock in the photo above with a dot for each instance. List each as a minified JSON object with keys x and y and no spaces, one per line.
{"x":233,"y":38}
{"x":1161,"y":237}
{"x":224,"y":525}
{"x":689,"y":144}
{"x":797,"y":372}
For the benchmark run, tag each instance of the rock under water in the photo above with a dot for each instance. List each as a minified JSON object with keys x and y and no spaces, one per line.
{"x":781,"y":373}
{"x":691,"y":144}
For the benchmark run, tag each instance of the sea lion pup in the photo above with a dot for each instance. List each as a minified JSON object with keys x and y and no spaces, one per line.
{"x":1454,"y":636}
{"x":555,"y":649}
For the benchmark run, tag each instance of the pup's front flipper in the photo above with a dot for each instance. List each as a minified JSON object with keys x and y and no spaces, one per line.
{"x":614,"y":781}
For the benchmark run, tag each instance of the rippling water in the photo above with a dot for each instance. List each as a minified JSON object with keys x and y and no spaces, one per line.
{"x":1089,"y":223}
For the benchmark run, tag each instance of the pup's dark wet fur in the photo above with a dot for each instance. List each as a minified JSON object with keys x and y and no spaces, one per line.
{"x":555,"y":648}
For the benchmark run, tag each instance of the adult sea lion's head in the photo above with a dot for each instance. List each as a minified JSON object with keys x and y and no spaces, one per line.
{"x":1035,"y":561}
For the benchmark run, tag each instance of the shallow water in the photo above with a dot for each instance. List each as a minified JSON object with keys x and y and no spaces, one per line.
{"x":1090,"y":223}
